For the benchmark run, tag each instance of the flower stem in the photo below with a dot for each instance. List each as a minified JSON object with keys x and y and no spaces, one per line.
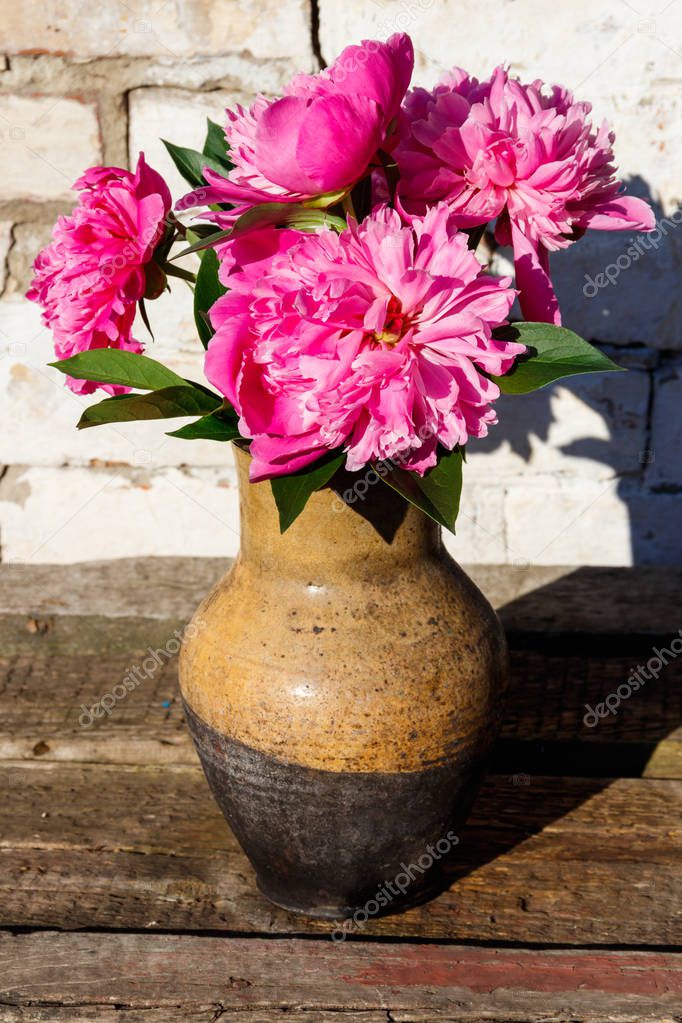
{"x":177,"y":225}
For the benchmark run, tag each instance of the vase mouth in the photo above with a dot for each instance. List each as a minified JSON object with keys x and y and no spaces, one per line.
{"x":353,"y":517}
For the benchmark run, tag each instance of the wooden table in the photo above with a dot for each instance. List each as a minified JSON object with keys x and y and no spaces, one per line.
{"x":125,"y":898}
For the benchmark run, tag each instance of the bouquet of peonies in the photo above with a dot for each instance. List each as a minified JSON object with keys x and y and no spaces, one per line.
{"x":346,"y":318}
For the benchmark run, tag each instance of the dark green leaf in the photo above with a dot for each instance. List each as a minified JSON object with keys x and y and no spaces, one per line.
{"x":406,"y":485}
{"x":145,"y":317}
{"x":167,"y":403}
{"x":113,"y":366}
{"x":191,"y":164}
{"x":220,"y":425}
{"x":198,"y":231}
{"x":437,"y":493}
{"x":291,"y":493}
{"x":207,"y":291}
{"x":216,"y":146}
{"x":178,"y":271}
{"x":204,"y":243}
{"x":554,"y":352}
{"x":442,"y":486}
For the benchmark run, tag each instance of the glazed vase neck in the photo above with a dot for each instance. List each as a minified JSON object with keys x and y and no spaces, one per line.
{"x":344,"y":527}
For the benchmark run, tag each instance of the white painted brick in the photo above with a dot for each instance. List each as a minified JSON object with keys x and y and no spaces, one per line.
{"x":647,"y":118}
{"x":178,"y":116}
{"x":664,"y":467}
{"x":656,"y":537}
{"x":171,"y":317}
{"x":480,"y":536}
{"x":567,"y":522}
{"x":590,"y":522}
{"x":40,"y":413}
{"x":605,"y":49}
{"x":236,"y":70}
{"x":47,"y":142}
{"x":63,"y":515}
{"x":5,"y":242}
{"x":591,"y":426}
{"x":27,"y":241}
{"x":185,"y":28}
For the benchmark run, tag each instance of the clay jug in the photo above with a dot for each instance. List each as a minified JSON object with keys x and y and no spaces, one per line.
{"x":343,"y":684}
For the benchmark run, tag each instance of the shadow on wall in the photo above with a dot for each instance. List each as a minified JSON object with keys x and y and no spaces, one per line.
{"x":622,"y":289}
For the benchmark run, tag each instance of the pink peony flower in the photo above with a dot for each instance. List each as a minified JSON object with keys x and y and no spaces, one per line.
{"x":377,"y":340}
{"x":91,"y":276}
{"x":319,"y":138}
{"x":532,"y":159}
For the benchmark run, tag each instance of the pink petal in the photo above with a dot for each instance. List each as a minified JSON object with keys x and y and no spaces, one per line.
{"x":623,"y":213}
{"x":276,"y":151}
{"x":280,"y":456}
{"x":226,"y":348}
{"x":338,"y":138}
{"x":378,"y":71}
{"x":536,"y":295}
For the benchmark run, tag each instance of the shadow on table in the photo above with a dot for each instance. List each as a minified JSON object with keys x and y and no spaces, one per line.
{"x":574,"y":645}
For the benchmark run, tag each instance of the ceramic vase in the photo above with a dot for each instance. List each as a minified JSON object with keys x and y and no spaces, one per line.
{"x":343,"y":685}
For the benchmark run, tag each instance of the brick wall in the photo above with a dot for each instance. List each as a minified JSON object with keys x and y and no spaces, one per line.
{"x":588,"y":472}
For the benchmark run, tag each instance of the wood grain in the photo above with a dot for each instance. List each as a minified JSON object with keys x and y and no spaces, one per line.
{"x":42,"y":699}
{"x":573,"y":845}
{"x":404,"y":982}
{"x":39,"y":604}
{"x":557,"y":860}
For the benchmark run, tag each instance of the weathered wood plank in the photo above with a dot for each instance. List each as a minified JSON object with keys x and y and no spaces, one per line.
{"x":194,"y":1013}
{"x":432,"y":982}
{"x":44,"y":703}
{"x":553,"y":861}
{"x":43,"y":604}
{"x":97,"y":833}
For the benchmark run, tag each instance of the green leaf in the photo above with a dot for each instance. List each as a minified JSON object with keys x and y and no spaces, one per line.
{"x":215,"y":146}
{"x":207,"y":291}
{"x":199,"y":230}
{"x":113,"y":366}
{"x":204,"y":243}
{"x":442,"y":486}
{"x":167,"y":403}
{"x":554,"y":352}
{"x":325,"y":199}
{"x":437,"y":493}
{"x":191,"y":164}
{"x":145,"y":317}
{"x":292,"y":492}
{"x":178,"y":271}
{"x":287,"y":214}
{"x":277,"y":214}
{"x":220,"y":425}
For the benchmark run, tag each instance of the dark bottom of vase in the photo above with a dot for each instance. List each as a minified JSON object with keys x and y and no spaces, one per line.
{"x":351,"y":918}
{"x":338,"y":844}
